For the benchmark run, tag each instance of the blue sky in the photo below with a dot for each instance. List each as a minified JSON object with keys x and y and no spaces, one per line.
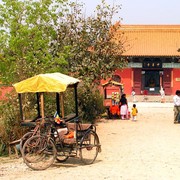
{"x":143,"y":11}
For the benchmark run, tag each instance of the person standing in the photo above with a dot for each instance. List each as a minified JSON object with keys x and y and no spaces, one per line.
{"x":145,"y":93}
{"x":162,"y":95}
{"x":124,"y":106}
{"x":134,"y":112}
{"x":176,"y":101}
{"x":133,"y":93}
{"x":114,"y":111}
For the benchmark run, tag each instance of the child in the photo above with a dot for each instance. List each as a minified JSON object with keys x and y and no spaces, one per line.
{"x":134,"y":112}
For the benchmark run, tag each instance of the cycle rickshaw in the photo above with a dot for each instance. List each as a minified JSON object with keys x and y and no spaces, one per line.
{"x":58,"y":137}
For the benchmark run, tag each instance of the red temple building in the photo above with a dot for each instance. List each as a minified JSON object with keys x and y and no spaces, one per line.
{"x":153,"y":54}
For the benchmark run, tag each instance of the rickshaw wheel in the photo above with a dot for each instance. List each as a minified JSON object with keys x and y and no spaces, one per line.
{"x":61,"y":155}
{"x":39,"y":152}
{"x":89,"y":147}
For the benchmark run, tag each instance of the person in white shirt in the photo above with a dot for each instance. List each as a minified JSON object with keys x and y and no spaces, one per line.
{"x":133,"y":93}
{"x":162,"y":94}
{"x":176,"y":101}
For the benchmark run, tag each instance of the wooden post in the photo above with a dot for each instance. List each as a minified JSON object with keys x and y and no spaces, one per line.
{"x":57,"y":103}
{"x":76,"y":99}
{"x":42,"y":105}
{"x":20,"y":106}
{"x":62,"y":104}
{"x":38,"y":107}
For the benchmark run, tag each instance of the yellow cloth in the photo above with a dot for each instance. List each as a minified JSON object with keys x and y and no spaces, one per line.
{"x":50,"y":82}
{"x":134,"y":111}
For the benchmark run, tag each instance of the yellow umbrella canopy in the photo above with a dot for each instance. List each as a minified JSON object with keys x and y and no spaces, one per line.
{"x":50,"y":82}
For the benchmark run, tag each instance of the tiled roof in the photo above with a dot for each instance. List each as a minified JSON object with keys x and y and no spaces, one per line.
{"x":151,"y":40}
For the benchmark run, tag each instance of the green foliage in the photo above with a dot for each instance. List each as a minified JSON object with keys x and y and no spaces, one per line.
{"x":50,"y":103}
{"x":95,"y":43}
{"x":10,"y":120}
{"x":27,"y":30}
{"x":10,"y":124}
{"x":54,"y":35}
{"x":3,"y":149}
{"x":69,"y":101}
{"x":29,"y":105}
{"x":90,"y":103}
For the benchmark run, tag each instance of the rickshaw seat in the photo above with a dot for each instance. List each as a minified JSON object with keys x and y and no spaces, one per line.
{"x":83,"y":127}
{"x":69,"y":117}
{"x":28,"y":123}
{"x":71,"y":128}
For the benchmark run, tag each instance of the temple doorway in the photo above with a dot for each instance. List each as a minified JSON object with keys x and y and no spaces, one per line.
{"x":151,"y":81}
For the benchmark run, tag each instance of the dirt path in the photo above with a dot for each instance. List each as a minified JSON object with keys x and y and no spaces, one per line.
{"x":148,"y":149}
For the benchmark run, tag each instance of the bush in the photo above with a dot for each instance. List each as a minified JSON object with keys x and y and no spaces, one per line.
{"x":10,"y":129}
{"x":90,"y":104}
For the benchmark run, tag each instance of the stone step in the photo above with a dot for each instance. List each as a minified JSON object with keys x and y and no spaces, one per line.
{"x":149,"y":98}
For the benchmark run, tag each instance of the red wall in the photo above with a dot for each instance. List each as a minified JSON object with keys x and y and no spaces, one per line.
{"x":167,"y":77}
{"x":171,"y":80}
{"x":176,"y":80}
{"x":126,"y":79}
{"x":137,"y":80}
{"x":4,"y":91}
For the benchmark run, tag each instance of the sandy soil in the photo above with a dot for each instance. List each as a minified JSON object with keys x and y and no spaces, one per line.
{"x":148,"y":149}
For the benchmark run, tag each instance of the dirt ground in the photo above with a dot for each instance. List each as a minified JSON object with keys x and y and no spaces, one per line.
{"x":148,"y":149}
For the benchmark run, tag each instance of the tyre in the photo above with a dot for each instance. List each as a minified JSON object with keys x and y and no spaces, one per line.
{"x":39,"y":152}
{"x":61,"y":155}
{"x":24,"y":139}
{"x":89,"y":147}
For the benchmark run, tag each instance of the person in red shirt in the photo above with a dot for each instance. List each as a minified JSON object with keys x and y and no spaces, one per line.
{"x":114,"y":110}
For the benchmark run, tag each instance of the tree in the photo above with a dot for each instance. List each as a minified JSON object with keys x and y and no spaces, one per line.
{"x":94,"y":44}
{"x":27,"y":30}
{"x":54,"y":35}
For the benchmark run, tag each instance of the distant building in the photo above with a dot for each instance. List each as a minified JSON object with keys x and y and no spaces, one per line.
{"x":153,"y":54}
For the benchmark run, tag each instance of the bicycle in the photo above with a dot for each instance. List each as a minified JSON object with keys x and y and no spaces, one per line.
{"x":40,"y":151}
{"x":36,"y":131}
